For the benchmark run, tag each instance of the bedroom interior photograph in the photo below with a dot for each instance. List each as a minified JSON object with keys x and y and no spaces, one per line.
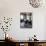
{"x":22,"y":22}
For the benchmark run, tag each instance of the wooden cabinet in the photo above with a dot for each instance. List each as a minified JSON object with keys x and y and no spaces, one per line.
{"x":22,"y":44}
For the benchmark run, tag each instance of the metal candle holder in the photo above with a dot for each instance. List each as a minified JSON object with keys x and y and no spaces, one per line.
{"x":7,"y":22}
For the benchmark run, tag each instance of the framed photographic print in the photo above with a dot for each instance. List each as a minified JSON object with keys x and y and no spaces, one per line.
{"x":25,"y":20}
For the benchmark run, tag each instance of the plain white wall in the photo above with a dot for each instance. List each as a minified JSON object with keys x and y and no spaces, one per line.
{"x":12,"y":8}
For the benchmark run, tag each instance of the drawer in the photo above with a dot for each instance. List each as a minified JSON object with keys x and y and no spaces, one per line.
{"x":25,"y":44}
{"x":42,"y":44}
{"x":21,"y":44}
